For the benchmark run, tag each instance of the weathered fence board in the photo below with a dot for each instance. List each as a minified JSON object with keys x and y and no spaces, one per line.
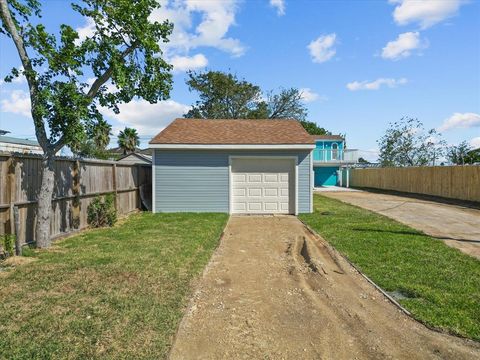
{"x":77,"y":182}
{"x":456,"y":182}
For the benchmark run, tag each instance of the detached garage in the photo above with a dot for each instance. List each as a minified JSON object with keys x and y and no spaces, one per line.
{"x":233,"y":166}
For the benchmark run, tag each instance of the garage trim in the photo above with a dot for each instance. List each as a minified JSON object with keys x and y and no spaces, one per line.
{"x":230,"y":183}
{"x":235,"y":146}
{"x":154,"y":181}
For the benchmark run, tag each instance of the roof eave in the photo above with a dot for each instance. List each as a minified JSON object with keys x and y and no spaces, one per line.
{"x":234,"y":146}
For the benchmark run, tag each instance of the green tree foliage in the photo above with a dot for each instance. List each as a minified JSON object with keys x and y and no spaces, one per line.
{"x":286,"y":105}
{"x":123,"y":52}
{"x":462,"y":154}
{"x":474,"y":156}
{"x":225,"y":96}
{"x":88,"y":149}
{"x":95,"y":143}
{"x":313,"y":129}
{"x":407,"y":143}
{"x":101,"y":134}
{"x":128,"y":140}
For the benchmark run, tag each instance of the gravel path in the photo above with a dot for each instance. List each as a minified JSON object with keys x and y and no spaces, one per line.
{"x":271,"y":291}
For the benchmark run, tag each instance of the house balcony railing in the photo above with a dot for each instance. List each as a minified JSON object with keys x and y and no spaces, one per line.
{"x":347,"y":156}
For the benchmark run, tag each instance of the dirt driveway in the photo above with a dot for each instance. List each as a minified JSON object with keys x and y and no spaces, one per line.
{"x":458,"y":226}
{"x":271,"y":291}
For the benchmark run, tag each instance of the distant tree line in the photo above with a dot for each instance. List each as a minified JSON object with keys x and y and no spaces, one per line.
{"x":408,"y":143}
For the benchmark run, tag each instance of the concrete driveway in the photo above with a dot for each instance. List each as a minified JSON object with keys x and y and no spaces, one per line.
{"x":271,"y":291}
{"x":458,"y":226}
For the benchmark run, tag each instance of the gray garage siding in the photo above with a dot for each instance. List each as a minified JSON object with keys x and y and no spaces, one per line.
{"x":198,"y":180}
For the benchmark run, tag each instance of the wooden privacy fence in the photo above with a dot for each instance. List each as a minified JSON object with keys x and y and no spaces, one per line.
{"x":456,"y":182}
{"x":77,"y":182}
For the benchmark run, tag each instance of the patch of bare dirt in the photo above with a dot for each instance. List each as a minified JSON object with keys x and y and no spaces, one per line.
{"x":17,"y":260}
{"x":272,"y":291}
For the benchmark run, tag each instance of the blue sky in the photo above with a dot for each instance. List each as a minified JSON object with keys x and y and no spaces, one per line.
{"x":362,"y":64}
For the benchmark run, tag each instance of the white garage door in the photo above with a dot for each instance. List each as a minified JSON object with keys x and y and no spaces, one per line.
{"x":263,"y":186}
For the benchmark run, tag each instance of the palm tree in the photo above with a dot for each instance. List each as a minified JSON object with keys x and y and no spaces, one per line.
{"x":128,"y":140}
{"x":101,"y":134}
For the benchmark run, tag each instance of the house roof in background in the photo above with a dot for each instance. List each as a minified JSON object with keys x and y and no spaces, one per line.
{"x":233,"y":132}
{"x":327,"y":137}
{"x":138,"y":155}
{"x":119,"y":150}
{"x":12,"y":140}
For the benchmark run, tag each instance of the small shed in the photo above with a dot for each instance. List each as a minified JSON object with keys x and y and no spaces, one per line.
{"x":233,"y":166}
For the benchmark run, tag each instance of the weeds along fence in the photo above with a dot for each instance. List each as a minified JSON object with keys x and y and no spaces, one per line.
{"x":77,"y":182}
{"x":455,"y":182}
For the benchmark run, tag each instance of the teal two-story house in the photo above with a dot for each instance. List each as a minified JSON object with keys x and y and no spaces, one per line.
{"x":329,"y":156}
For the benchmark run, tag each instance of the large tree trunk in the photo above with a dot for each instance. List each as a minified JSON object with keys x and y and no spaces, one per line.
{"x":44,"y":209}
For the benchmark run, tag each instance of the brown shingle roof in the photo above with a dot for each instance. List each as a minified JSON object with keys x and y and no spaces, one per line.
{"x":327,"y":137}
{"x":233,"y":131}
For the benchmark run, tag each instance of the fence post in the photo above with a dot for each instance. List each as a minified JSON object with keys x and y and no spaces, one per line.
{"x":139,"y":199}
{"x":16,"y":216}
{"x":114,"y":182}
{"x":11,"y":191}
{"x":76,"y":193}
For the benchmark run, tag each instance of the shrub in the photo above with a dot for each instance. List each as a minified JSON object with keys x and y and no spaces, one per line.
{"x":8,"y":245}
{"x":101,"y":212}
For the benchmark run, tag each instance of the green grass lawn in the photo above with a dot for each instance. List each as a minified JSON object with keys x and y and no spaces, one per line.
{"x":111,"y":293}
{"x":442,"y":284}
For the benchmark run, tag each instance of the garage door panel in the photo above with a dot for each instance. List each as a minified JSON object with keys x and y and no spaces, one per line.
{"x":255,"y":192}
{"x":271,"y":206}
{"x":239,"y":206}
{"x":270,"y":192}
{"x":239,"y":178}
{"x":262,"y":186}
{"x":270,"y":178}
{"x":255,"y":178}
{"x":254,"y":206}
{"x":239,"y":192}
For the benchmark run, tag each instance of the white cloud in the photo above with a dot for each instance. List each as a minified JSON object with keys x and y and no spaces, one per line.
{"x":216,"y":19}
{"x":375,"y":85}
{"x":85,"y":31}
{"x":322,"y":49}
{"x":309,"y":96}
{"x":17,"y":103}
{"x":184,"y":63}
{"x":461,"y":120}
{"x":279,"y":5}
{"x":475,"y":142}
{"x":403,"y":46}
{"x":147,"y":118}
{"x":424,"y":12}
